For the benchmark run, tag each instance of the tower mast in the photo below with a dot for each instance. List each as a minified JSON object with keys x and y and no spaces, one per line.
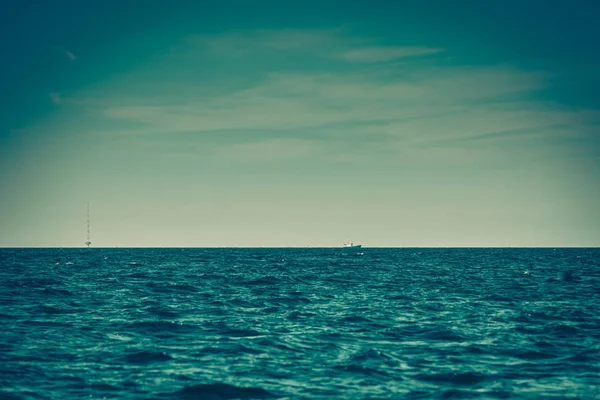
{"x":88,"y":242}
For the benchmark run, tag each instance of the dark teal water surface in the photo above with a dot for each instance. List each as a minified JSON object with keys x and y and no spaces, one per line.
{"x":299,"y":323}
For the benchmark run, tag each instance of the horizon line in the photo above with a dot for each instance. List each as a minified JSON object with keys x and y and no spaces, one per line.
{"x":304,"y":247}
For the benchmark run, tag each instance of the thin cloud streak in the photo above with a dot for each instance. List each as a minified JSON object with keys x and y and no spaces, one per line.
{"x":55,"y":97}
{"x":70,"y":55}
{"x":380,"y":54}
{"x":335,"y":44}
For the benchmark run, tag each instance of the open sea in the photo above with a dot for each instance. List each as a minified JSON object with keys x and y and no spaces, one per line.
{"x":299,"y":323}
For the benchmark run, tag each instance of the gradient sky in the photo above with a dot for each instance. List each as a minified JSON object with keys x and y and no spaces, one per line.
{"x":295,"y":123}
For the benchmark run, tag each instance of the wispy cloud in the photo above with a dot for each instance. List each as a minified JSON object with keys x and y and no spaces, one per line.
{"x":293,"y":101}
{"x":290,"y":113}
{"x":381,"y":53}
{"x":240,"y":43}
{"x":55,"y":97}
{"x":325,"y":43}
{"x":70,"y":55}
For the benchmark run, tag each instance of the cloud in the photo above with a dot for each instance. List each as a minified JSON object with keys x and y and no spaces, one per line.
{"x":240,"y":43}
{"x":407,"y":108}
{"x":457,"y":116}
{"x":70,"y":55}
{"x":299,"y":101}
{"x":324,"y":43}
{"x":380,"y":53}
{"x":55,"y":97}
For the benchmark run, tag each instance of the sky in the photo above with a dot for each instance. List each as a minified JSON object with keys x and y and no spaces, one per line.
{"x":300,"y":123}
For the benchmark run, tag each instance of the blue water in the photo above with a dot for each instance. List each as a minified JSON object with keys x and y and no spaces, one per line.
{"x":299,"y":323}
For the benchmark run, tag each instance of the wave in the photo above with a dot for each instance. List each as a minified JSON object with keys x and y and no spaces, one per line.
{"x":145,"y":357}
{"x":368,"y":355}
{"x":360,"y":370}
{"x":232,"y":349}
{"x":457,"y":378}
{"x":160,"y":327}
{"x":266,"y":280}
{"x":220,"y":391}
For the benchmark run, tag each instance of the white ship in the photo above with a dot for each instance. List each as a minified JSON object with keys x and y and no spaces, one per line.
{"x":349,"y":244}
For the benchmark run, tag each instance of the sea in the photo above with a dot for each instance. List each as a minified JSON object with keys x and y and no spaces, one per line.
{"x":300,"y":323}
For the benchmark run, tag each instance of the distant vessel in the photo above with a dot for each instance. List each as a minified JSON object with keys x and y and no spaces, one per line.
{"x":88,"y":242}
{"x":349,"y":244}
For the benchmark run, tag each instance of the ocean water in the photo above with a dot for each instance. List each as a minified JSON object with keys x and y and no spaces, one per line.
{"x":299,"y":323}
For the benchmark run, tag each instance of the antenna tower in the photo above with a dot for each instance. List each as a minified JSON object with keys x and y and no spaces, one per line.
{"x":88,"y":242}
